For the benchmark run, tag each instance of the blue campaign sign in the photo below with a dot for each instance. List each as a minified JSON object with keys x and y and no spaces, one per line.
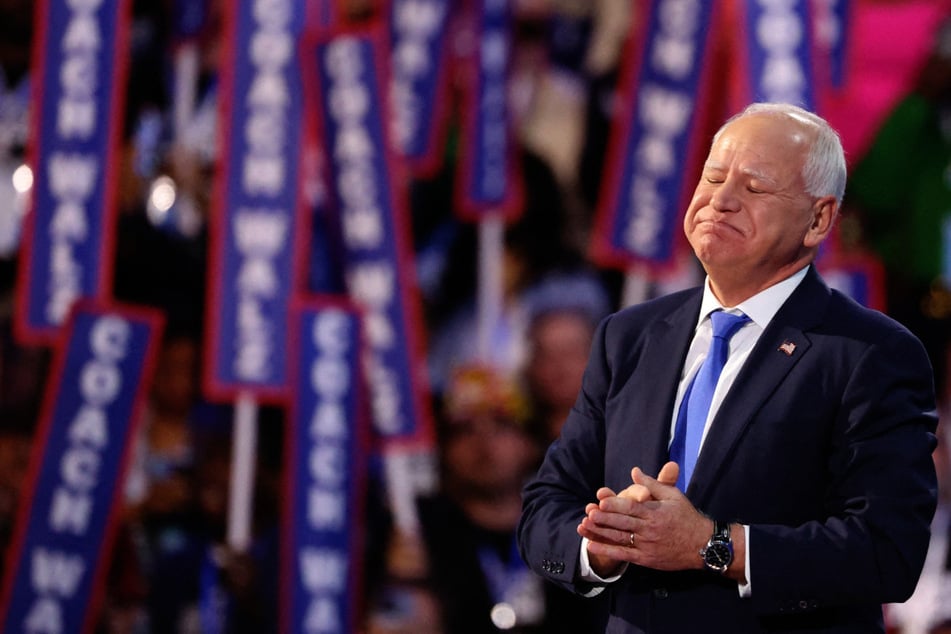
{"x":371,"y":203}
{"x":189,"y":18}
{"x":59,"y":554}
{"x":419,"y":61}
{"x":256,"y":211}
{"x":79,"y":83}
{"x":653,"y":136}
{"x":860,"y":276}
{"x":489,"y":176}
{"x":839,"y":24}
{"x":779,"y":47}
{"x":326,"y":451}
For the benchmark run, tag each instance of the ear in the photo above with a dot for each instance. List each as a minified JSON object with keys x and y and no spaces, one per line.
{"x":824,"y":212}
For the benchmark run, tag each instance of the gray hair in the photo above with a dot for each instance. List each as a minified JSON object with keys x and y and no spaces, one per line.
{"x":824,"y":171}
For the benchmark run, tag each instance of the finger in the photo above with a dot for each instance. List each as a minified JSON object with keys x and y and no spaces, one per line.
{"x":605,"y":492}
{"x":604,"y":534}
{"x":635,"y":492}
{"x":619,"y":520}
{"x":614,"y":551}
{"x":622,"y":505}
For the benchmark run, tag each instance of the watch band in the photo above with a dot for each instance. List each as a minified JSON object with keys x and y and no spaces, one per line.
{"x":721,"y":531}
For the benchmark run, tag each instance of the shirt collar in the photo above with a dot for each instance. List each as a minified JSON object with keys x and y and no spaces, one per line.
{"x":760,"y":308}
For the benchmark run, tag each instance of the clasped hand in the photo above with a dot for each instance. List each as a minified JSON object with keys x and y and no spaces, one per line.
{"x":667,"y":529}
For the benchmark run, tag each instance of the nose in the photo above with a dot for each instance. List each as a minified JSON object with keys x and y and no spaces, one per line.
{"x":725,"y":198}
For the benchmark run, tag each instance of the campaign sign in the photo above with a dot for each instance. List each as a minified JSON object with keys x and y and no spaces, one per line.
{"x":834,"y":24}
{"x":370,"y":199}
{"x":60,"y":550}
{"x":321,"y":14}
{"x":489,"y":178}
{"x":80,"y":67}
{"x":779,"y":51}
{"x":255,"y":240}
{"x":860,"y":276}
{"x":326,"y":462}
{"x":419,"y":91}
{"x":652,"y":139}
{"x":189,"y":18}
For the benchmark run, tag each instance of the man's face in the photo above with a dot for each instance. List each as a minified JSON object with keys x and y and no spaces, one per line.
{"x":488,"y":456}
{"x":750,"y":216}
{"x":559,"y":342}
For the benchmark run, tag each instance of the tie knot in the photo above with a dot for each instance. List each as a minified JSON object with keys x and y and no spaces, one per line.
{"x":726,"y":324}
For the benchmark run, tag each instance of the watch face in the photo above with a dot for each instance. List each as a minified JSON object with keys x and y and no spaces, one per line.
{"x":718,"y":556}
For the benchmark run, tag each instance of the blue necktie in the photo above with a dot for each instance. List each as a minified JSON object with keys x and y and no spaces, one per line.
{"x":692,"y":416}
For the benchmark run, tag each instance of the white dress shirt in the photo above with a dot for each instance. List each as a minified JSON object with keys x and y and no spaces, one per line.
{"x":760,"y":309}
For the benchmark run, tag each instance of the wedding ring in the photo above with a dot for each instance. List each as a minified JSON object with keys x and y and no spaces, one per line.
{"x":632,"y":539}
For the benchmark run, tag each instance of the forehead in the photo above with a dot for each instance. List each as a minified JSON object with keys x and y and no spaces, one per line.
{"x":761,"y":145}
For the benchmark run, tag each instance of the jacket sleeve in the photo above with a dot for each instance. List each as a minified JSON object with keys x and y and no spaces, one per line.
{"x":570,"y":475}
{"x":880,"y":496}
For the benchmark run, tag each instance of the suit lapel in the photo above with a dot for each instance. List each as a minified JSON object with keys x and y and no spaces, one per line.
{"x":782,"y":345}
{"x":663,"y":358}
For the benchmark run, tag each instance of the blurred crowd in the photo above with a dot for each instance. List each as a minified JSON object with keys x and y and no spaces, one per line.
{"x":455,"y":569}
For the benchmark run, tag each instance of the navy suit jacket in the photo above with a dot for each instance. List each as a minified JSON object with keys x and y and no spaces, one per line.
{"x":824,"y":452}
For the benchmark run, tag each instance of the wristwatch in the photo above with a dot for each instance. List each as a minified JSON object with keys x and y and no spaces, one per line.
{"x":717,"y":555}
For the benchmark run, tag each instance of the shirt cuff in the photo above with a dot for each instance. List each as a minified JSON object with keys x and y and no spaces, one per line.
{"x":746,"y":589}
{"x":588,"y":575}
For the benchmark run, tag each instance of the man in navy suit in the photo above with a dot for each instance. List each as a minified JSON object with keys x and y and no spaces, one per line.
{"x":813,"y":488}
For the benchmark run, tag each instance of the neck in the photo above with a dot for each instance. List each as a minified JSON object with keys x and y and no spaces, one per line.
{"x":731,"y":289}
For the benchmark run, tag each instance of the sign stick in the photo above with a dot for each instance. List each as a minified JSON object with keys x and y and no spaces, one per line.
{"x":490,"y":291}
{"x":636,"y":285}
{"x":243,"y":453}
{"x":186,"y":82}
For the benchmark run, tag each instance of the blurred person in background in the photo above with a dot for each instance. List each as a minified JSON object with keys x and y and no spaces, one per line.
{"x":197,"y":581}
{"x":558,"y":345}
{"x":563,"y":314}
{"x":480,"y":582}
{"x":928,"y":610}
{"x":177,"y":500}
{"x":164,"y":447}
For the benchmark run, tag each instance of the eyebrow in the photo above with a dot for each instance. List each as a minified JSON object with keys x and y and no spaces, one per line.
{"x":756,"y":174}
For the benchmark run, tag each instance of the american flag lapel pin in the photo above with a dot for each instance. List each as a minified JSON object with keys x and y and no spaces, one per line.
{"x":788,"y":347}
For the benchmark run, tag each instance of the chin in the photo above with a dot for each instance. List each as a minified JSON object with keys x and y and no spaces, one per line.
{"x":718,"y":258}
{"x":707,"y":247}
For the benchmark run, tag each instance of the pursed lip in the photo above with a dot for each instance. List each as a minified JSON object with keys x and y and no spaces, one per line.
{"x":716,"y":225}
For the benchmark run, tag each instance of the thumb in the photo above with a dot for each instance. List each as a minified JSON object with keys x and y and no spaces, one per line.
{"x":669,"y":473}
